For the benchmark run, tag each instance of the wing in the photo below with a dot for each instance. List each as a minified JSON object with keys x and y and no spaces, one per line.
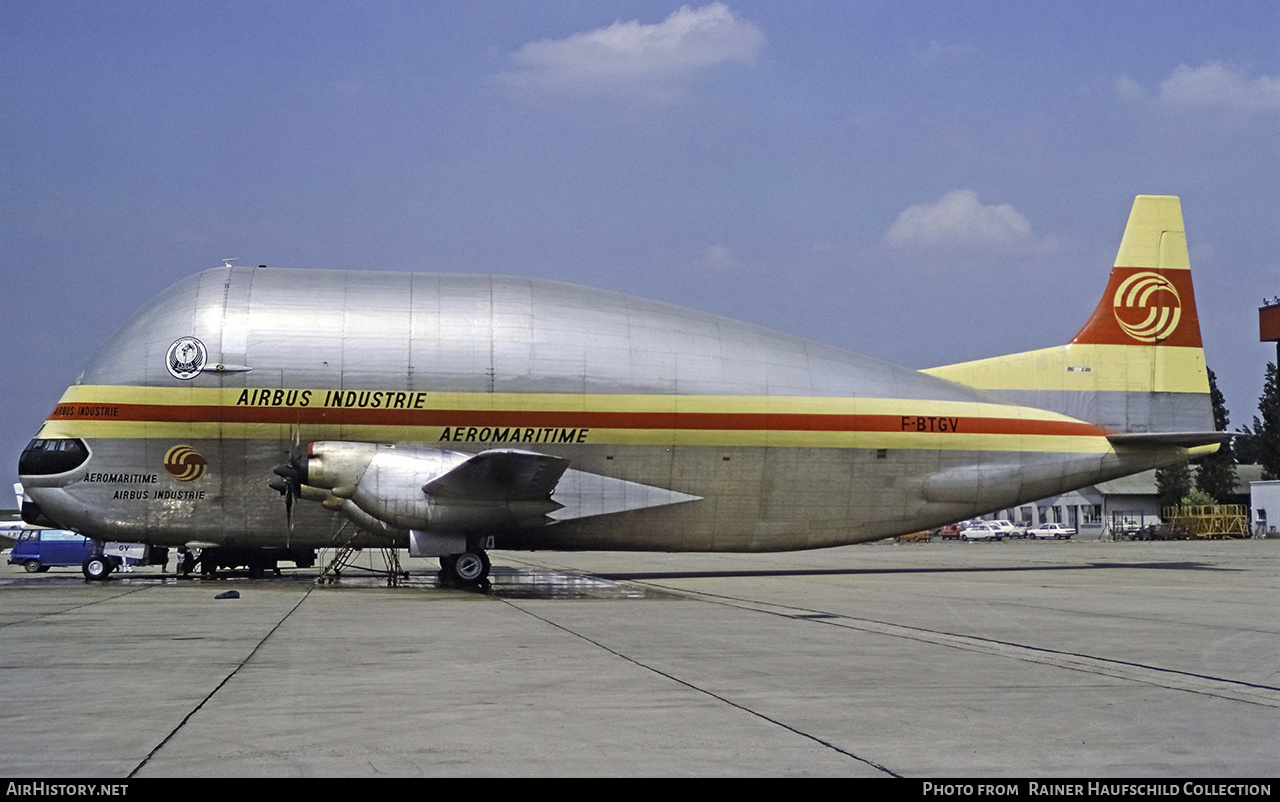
{"x":500,"y":475}
{"x":1184,"y":439}
{"x":387,"y":487}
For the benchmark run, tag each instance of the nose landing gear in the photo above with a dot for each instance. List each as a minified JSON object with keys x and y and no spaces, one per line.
{"x":97,"y":568}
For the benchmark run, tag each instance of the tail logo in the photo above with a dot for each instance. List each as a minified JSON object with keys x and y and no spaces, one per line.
{"x":184,"y":463}
{"x":1147,"y":307}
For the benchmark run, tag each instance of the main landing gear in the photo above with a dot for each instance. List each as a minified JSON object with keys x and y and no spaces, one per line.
{"x":467,"y":570}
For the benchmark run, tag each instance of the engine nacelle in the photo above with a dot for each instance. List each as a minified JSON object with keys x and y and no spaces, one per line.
{"x":394,"y":485}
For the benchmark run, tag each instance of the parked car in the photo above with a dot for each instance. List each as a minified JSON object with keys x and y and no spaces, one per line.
{"x":982,"y":531}
{"x":950,"y":531}
{"x":38,"y":550}
{"x":1009,"y":528}
{"x":1051,"y":531}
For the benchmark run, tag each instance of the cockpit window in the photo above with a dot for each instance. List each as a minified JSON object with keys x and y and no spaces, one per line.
{"x":45,"y":457}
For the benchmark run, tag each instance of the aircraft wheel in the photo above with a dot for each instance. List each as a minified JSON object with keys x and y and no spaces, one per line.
{"x":470,"y":568}
{"x":32,"y":566}
{"x":96,"y":568}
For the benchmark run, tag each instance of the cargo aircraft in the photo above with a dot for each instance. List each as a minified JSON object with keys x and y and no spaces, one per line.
{"x":451,"y":414}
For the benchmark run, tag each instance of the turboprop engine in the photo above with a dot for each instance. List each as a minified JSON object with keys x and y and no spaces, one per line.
{"x":385,"y":487}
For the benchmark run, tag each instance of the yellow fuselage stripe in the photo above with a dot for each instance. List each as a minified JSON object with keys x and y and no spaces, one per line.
{"x":509,"y":419}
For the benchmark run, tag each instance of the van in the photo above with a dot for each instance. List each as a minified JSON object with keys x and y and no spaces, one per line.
{"x":38,"y":550}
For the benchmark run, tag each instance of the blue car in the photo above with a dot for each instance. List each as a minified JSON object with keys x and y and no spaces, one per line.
{"x":38,"y":550}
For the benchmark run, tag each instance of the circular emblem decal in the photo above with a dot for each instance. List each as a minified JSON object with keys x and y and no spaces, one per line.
{"x":184,"y":463}
{"x":1147,"y":307}
{"x":186,"y":357}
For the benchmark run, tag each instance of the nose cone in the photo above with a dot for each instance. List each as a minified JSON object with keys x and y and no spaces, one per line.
{"x":42,"y":469}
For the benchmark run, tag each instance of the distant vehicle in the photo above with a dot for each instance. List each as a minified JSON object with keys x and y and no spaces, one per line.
{"x":982,"y":531}
{"x":950,"y":531}
{"x":38,"y":550}
{"x":1051,"y":531}
{"x":923,"y":536}
{"x":1009,"y":528}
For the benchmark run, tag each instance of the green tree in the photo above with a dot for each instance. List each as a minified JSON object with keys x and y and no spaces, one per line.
{"x":1263,"y":445}
{"x":1198,"y":498}
{"x":1216,"y":473}
{"x":1173,"y":483}
{"x":1244,"y":446}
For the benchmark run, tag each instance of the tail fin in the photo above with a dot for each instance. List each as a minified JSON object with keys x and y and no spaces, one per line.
{"x":1137,"y":365}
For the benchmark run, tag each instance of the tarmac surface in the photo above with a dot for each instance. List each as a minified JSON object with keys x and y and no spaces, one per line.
{"x":942,"y":659}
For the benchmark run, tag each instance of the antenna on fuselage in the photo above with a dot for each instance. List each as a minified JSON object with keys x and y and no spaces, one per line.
{"x":227,"y":260}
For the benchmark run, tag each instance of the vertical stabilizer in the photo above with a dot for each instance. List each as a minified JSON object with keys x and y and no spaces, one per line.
{"x":1149,"y":299}
{"x":1137,"y":364}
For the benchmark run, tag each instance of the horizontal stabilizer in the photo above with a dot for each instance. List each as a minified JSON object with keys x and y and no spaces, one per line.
{"x":500,"y":475}
{"x":1137,"y":364}
{"x":1183,"y":439}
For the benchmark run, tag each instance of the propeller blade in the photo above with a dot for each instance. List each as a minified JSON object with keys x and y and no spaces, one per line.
{"x":291,"y":476}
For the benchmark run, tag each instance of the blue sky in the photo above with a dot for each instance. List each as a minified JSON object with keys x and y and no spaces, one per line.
{"x":921,"y":182}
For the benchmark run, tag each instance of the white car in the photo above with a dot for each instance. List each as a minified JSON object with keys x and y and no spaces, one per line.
{"x":1048,"y":531}
{"x":1009,"y":528}
{"x":982,"y":531}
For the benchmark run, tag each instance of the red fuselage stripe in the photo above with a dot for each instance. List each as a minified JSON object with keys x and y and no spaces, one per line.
{"x":723,"y":421}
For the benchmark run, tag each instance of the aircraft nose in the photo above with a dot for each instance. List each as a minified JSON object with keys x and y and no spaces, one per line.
{"x":50,"y":457}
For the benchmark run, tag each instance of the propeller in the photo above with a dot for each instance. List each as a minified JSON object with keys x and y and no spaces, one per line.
{"x":290,"y":477}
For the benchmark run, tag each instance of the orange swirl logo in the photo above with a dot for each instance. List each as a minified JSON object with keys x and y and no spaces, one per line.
{"x":185,"y":463}
{"x":1144,"y":311}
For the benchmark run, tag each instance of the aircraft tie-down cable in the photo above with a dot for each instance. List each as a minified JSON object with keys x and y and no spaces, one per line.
{"x":704,"y":691}
{"x":211,"y":693}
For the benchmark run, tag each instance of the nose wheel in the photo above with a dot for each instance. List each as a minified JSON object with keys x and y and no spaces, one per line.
{"x":467,"y":570}
{"x":96,"y":568}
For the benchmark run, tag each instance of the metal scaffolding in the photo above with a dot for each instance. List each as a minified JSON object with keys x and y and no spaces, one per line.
{"x":1209,"y":521}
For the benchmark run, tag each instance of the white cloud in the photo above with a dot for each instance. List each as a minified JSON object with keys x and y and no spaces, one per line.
{"x":718,"y":258}
{"x":959,"y":221}
{"x":1215,"y":85}
{"x":1129,"y":89}
{"x":631,"y":59}
{"x":1210,"y":86}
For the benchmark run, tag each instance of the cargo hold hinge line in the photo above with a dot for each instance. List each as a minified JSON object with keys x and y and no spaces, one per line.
{"x":225,"y":680}
{"x":705,"y":692}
